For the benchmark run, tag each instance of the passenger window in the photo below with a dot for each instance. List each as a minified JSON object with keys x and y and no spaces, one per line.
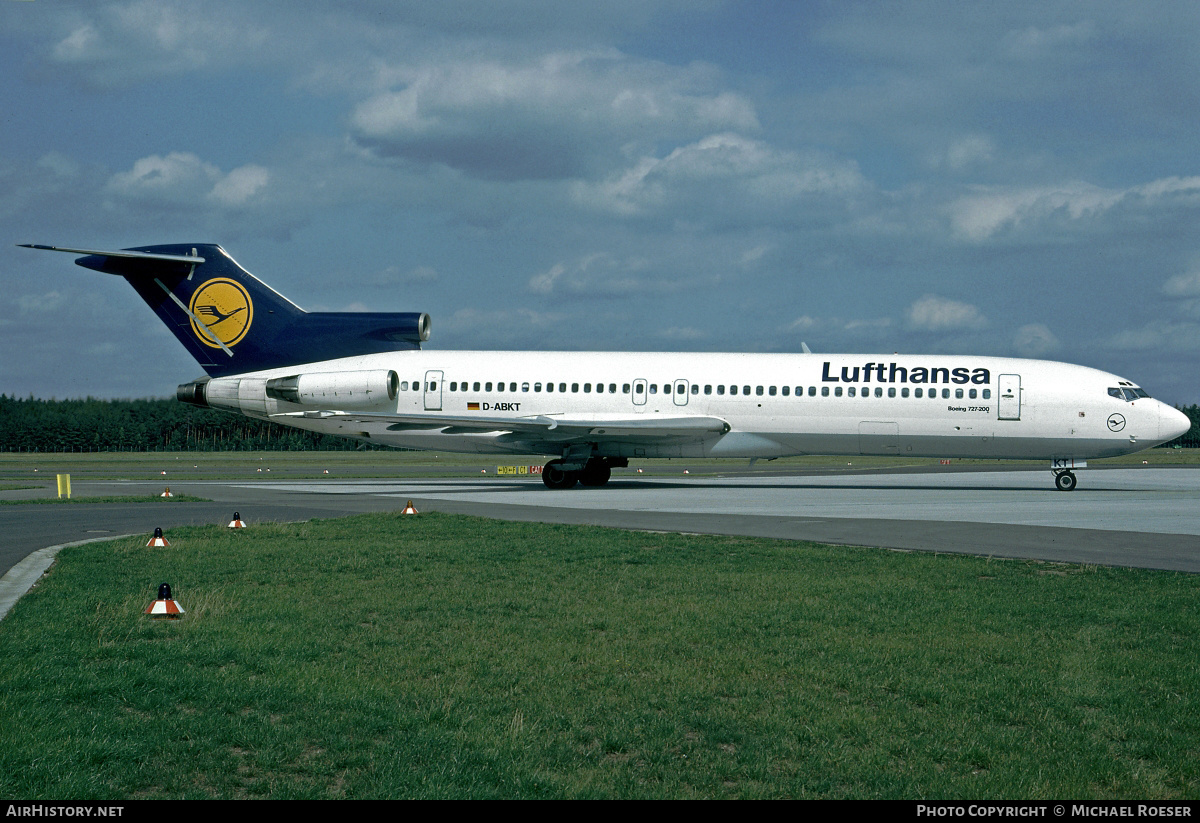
{"x":525,"y":387}
{"x":987,"y":394}
{"x":624,"y":388}
{"x":708,"y":389}
{"x":746,"y":390}
{"x":958,"y":394}
{"x":850,"y":391}
{"x":549,"y":387}
{"x":587,"y":388}
{"x":721,"y":389}
{"x":575,"y":388}
{"x":695,"y":388}
{"x":918,"y":393}
{"x":945,"y":394}
{"x":758,"y":390}
{"x":654,"y":388}
{"x":667,"y":388}
{"x":971,"y":394}
{"x":891,"y":391}
{"x":771,"y":391}
{"x":489,"y":387}
{"x":599,"y":388}
{"x":562,"y":386}
{"x":475,"y":387}
{"x":403,"y":385}
{"x":499,"y":387}
{"x":786,"y":390}
{"x":837,"y":391}
{"x":904,"y":392}
{"x":812,"y":391}
{"x":512,"y":386}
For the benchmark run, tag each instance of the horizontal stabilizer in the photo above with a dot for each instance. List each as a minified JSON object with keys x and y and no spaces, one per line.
{"x":135,"y":255}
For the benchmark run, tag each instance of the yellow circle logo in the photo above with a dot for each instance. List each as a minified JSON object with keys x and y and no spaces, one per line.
{"x":225,"y":309}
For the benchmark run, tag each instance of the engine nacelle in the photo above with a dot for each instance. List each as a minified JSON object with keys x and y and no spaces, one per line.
{"x":336,"y":390}
{"x":327,"y":390}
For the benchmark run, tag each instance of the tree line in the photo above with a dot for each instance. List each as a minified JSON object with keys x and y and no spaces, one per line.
{"x":90,"y":425}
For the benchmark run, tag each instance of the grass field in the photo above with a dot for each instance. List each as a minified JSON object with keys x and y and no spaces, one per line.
{"x":446,"y":656}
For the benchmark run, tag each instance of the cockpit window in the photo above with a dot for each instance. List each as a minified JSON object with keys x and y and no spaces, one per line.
{"x":1128,"y":394}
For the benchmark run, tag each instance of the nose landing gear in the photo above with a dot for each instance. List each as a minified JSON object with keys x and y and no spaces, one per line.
{"x":1064,"y":481}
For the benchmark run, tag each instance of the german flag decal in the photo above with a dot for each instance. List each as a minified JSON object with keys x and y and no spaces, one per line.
{"x":472,"y":407}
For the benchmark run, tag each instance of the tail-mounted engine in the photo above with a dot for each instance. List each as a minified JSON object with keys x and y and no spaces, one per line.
{"x":254,"y":395}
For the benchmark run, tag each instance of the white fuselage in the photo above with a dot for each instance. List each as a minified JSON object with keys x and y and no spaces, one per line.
{"x":775,"y":405}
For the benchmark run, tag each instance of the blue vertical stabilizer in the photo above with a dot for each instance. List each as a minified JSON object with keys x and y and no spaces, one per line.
{"x":232,"y":322}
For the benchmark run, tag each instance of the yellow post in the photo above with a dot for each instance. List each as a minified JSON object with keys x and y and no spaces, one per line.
{"x":64,"y":485}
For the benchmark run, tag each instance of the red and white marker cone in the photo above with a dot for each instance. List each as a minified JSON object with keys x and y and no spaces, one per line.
{"x":167,"y":493}
{"x":236,"y":522}
{"x":409,"y":509}
{"x":164,"y":606}
{"x":158,"y":539}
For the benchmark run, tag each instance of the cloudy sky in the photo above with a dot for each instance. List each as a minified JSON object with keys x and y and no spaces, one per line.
{"x":1014,"y":179}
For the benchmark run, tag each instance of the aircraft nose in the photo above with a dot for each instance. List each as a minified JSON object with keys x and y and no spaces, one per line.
{"x":1171,"y":422}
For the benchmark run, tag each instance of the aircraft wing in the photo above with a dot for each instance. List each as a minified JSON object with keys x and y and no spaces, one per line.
{"x":549,"y":427}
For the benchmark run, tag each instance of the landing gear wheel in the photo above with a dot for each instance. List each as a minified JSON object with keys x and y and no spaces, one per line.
{"x":596,"y":472}
{"x":556,"y":477}
{"x":1065,"y":481}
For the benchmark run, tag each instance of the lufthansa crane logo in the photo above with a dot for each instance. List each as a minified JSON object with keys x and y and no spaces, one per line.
{"x":225,"y":309}
{"x":1116,"y":422}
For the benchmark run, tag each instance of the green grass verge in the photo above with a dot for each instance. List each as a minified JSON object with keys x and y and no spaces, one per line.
{"x":448,"y":656}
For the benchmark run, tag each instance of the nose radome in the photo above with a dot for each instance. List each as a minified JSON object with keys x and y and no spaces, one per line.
{"x":1172,"y":422}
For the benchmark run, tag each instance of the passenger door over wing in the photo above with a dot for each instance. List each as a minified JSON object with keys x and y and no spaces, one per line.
{"x":639,"y":393}
{"x":433,"y":391}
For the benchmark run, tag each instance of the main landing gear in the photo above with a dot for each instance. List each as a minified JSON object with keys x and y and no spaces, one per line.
{"x":558,"y":474}
{"x":1065,"y":481}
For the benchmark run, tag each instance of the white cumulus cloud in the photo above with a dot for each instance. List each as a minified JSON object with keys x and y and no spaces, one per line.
{"x":183,"y":179}
{"x":933,"y":313}
{"x":556,"y":116}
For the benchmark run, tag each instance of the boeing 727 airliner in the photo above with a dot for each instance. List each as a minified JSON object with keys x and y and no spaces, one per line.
{"x":365,"y":376}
